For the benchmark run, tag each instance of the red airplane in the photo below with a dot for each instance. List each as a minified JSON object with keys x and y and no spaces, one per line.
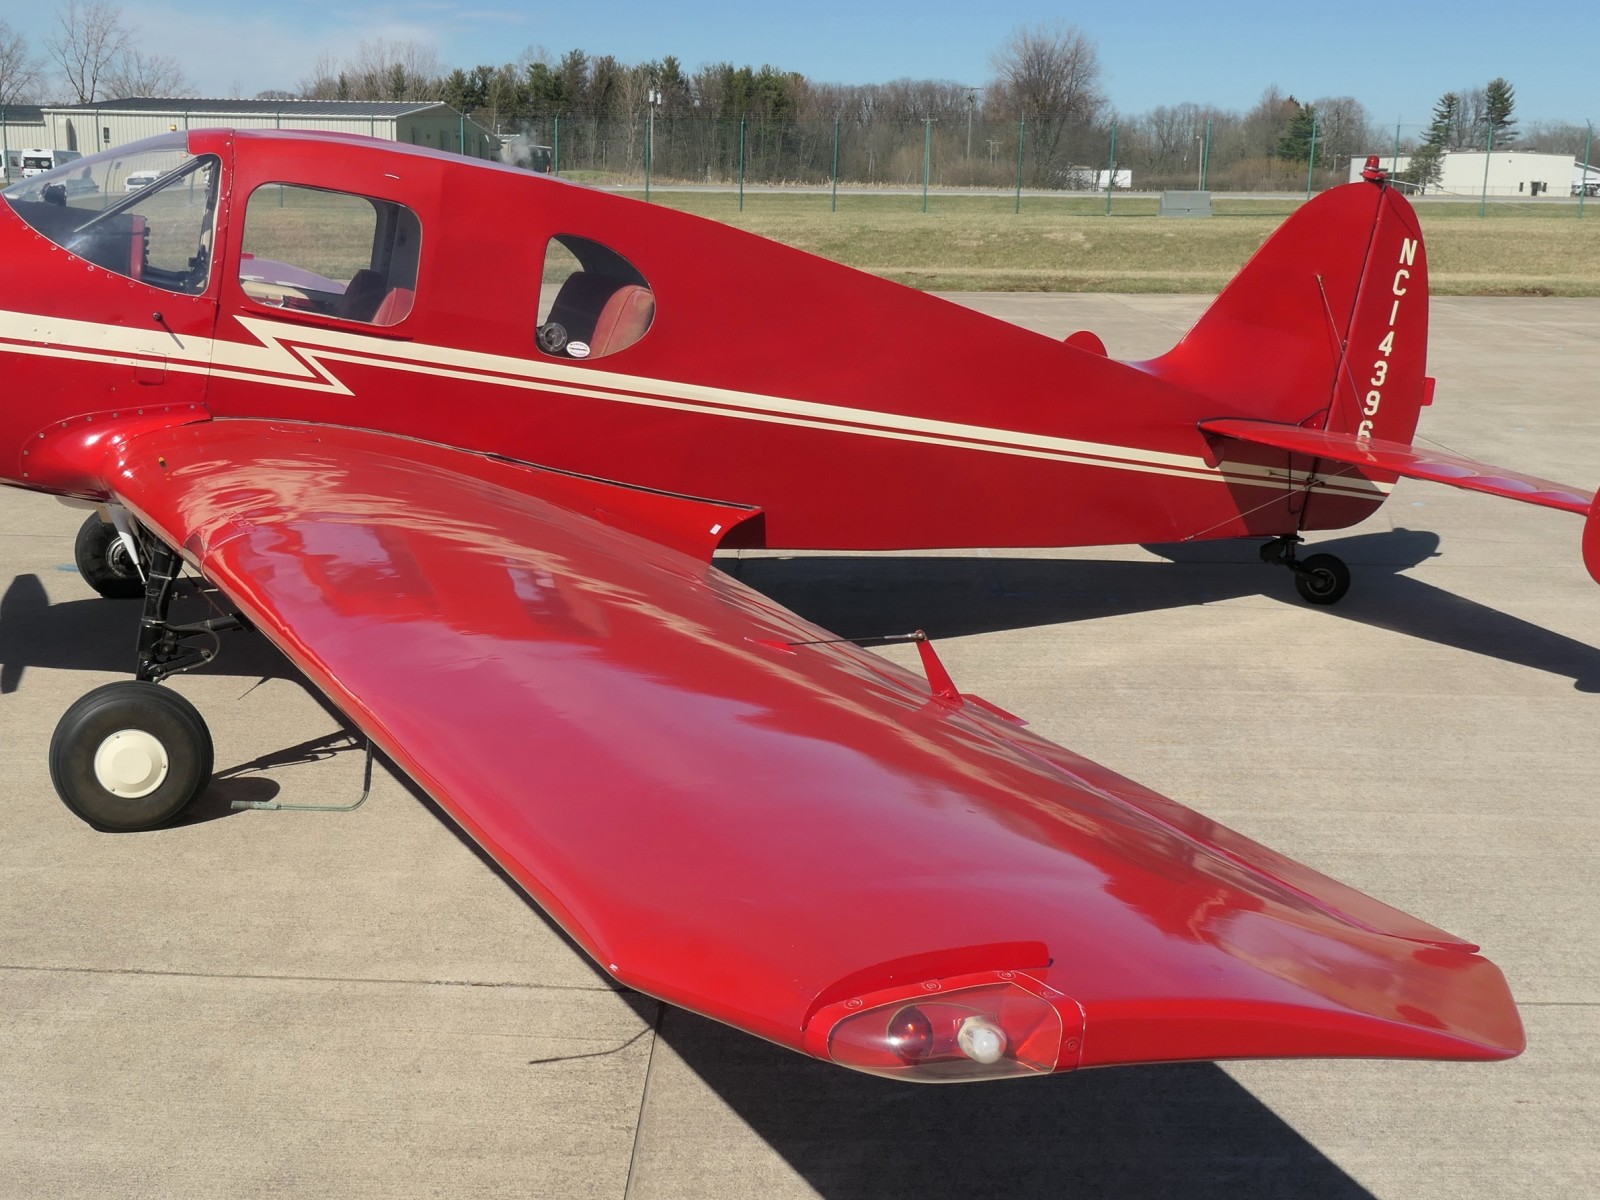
{"x":461,"y":440}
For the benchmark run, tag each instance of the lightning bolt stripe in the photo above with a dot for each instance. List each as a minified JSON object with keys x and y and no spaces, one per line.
{"x":298,"y":356}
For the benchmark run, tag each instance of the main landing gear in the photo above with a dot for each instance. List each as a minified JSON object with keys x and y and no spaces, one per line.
{"x":1319,"y":578}
{"x":132,"y":755}
{"x":104,"y":562}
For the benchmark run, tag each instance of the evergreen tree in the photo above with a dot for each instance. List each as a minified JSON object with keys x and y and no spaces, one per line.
{"x":1499,"y":99}
{"x":1295,"y":145}
{"x":1427,"y":162}
{"x":1446,"y":116}
{"x":573,"y":72}
{"x":547,"y":93}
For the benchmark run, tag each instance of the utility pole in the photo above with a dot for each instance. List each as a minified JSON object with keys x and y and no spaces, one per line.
{"x":972,"y":99}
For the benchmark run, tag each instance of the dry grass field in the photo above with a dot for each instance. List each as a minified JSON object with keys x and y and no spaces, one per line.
{"x":977,"y":243}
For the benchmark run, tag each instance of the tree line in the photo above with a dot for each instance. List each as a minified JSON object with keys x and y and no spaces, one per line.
{"x":1042,"y":118}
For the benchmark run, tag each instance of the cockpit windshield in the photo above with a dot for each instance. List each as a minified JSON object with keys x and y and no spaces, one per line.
{"x":147,"y":211}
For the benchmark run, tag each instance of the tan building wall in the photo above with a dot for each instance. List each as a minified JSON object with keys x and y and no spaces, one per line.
{"x":91,"y":129}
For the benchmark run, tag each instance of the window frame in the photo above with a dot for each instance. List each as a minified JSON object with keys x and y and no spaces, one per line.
{"x":386,"y":228}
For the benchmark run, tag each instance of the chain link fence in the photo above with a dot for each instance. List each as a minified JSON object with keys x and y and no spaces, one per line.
{"x":974,"y":153}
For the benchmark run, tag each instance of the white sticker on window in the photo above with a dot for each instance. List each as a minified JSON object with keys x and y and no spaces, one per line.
{"x":578,"y":349}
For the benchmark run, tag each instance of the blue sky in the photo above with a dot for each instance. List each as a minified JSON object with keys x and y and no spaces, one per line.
{"x":1395,"y":58}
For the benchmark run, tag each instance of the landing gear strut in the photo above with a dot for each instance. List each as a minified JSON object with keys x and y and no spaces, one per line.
{"x":1319,"y":578}
{"x":132,"y":755}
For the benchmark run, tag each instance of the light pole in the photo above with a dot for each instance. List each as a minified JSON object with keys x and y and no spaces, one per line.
{"x":1199,"y":163}
{"x":972,"y":100}
{"x":654,"y":98}
{"x":1583,"y":187}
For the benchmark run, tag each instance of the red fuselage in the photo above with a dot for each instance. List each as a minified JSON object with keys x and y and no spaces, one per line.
{"x":854,"y":413}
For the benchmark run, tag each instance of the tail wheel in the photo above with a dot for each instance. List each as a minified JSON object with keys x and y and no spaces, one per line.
{"x":1322,"y":579}
{"x":104,"y":562}
{"x":130,"y":755}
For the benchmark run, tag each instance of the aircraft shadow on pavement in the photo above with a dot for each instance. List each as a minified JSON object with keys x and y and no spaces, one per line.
{"x":1188,"y":1130}
{"x":1184,"y":1130}
{"x":99,"y":635}
{"x":869,"y":596}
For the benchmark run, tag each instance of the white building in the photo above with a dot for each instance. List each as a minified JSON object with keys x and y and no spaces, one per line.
{"x":1510,"y":172}
{"x":89,"y":128}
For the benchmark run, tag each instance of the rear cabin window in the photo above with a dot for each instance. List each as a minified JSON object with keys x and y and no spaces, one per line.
{"x":592,"y":301}
{"x":336,"y":254}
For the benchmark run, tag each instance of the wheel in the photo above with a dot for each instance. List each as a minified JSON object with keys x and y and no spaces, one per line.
{"x":130,"y":755}
{"x":1322,"y":579}
{"x":104,"y":562}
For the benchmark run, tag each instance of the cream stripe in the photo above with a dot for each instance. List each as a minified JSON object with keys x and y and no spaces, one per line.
{"x":291,"y":355}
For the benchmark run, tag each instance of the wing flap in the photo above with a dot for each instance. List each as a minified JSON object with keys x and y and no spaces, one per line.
{"x":736,"y":819}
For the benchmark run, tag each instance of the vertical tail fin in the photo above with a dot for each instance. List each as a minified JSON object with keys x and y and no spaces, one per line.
{"x":1325,"y":327}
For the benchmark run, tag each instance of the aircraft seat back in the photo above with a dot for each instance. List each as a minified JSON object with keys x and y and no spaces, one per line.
{"x":395,"y":308}
{"x":624,"y":320}
{"x":597,"y":310}
{"x":362,"y":296}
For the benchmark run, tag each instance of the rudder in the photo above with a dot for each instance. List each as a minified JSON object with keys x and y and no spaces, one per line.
{"x":1325,"y":327}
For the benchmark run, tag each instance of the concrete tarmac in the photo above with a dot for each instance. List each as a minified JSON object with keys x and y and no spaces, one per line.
{"x":359,"y":1005}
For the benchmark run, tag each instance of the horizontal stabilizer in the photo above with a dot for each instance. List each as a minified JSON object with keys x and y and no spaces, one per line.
{"x":1591,"y":542}
{"x":1415,"y":462}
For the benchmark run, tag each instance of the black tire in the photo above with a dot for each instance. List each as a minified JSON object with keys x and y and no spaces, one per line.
{"x":155,"y":727}
{"x":104,"y":562}
{"x":1322,"y":579}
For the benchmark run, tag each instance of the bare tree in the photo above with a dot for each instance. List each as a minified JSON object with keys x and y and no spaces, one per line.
{"x":137,"y":74}
{"x":325,"y":81}
{"x":398,"y":70}
{"x":1050,"y":75}
{"x":88,"y":42}
{"x":1472,"y":120}
{"x":1343,"y":128}
{"x":1559,"y":137}
{"x":1049,"y":70}
{"x":19,"y":70}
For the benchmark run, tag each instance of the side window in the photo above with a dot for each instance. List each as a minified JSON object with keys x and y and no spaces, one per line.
{"x":592,"y":301}
{"x":331,"y":253}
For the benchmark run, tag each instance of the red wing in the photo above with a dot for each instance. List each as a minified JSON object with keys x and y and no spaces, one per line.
{"x":792,"y":838}
{"x":1398,"y":458}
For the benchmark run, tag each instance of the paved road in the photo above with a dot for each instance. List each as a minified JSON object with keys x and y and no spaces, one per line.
{"x":294,"y":1004}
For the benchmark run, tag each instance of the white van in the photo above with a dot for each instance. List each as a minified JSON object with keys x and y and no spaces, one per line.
{"x":37,"y":162}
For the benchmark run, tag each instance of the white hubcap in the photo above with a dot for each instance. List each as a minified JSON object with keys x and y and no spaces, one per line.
{"x":131,"y":764}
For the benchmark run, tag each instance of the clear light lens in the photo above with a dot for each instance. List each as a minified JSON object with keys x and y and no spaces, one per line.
{"x":986,"y":1031}
{"x":981,"y":1041}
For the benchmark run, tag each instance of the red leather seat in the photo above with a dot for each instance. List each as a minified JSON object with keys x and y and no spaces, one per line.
{"x":624,"y":320}
{"x":395,"y":308}
{"x":595,"y":310}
